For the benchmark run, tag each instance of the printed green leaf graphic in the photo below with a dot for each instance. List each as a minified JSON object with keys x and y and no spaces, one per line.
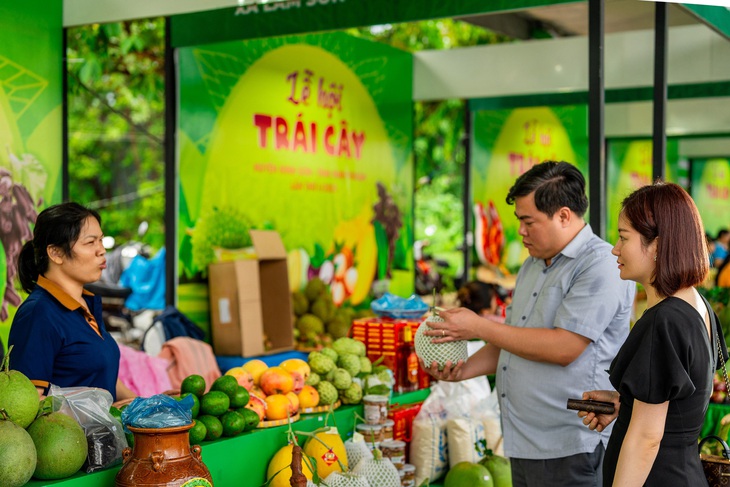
{"x":21,"y":86}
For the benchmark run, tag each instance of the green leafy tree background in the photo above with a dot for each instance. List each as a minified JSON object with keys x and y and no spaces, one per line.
{"x":116,"y":125}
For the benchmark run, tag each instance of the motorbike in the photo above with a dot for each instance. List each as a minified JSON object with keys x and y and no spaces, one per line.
{"x":124,"y":324}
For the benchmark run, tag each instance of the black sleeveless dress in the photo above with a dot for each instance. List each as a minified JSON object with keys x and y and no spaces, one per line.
{"x":668,"y":356}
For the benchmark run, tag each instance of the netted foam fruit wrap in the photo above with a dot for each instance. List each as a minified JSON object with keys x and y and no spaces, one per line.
{"x":380,"y":472}
{"x":339,"y":479}
{"x":356,"y":451}
{"x":438,"y":352}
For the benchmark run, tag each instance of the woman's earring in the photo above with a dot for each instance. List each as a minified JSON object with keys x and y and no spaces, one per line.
{"x":654,"y":257}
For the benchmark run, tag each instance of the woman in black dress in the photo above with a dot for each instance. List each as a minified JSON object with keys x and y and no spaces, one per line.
{"x":663,"y":372}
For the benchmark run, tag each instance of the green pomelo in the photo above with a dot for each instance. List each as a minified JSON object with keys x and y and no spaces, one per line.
{"x":197,"y":433}
{"x":17,"y":455}
{"x":60,"y":444}
{"x":467,"y":474}
{"x":239,"y":398}
{"x":194,"y":384}
{"x":233,"y":423}
{"x":226,"y":384}
{"x":215,"y":403}
{"x":500,"y":469}
{"x":250,"y":416}
{"x":213,"y":426}
{"x":18,"y":395}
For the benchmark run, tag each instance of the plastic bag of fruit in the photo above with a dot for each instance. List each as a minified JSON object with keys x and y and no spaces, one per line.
{"x":90,"y":407}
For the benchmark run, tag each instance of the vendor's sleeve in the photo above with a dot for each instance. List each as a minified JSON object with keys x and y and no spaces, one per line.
{"x":594,"y":298}
{"x":657,"y":371}
{"x":35,"y":343}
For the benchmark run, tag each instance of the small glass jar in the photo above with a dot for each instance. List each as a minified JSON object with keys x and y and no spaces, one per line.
{"x":388,"y":429}
{"x":373,"y":433}
{"x":408,"y":475}
{"x":375,"y":409}
{"x":395,"y":450}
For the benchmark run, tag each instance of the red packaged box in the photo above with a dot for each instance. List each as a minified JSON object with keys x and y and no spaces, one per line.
{"x":383,"y":337}
{"x":403,"y":416}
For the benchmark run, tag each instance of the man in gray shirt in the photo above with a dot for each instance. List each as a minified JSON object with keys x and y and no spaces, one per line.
{"x":569,"y":316}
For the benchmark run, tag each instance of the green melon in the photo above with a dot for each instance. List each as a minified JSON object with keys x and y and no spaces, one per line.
{"x":60,"y":444}
{"x":440,"y":353}
{"x":17,"y":455}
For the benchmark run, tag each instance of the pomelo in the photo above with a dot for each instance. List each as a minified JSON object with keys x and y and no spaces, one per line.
{"x":17,"y":455}
{"x":18,"y":395}
{"x":60,"y":444}
{"x":467,"y":474}
{"x":500,"y":469}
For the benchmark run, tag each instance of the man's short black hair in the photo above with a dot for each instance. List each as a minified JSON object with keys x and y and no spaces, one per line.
{"x":555,"y":184}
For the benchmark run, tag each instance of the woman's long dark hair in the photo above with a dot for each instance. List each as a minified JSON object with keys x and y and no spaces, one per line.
{"x":58,"y":226}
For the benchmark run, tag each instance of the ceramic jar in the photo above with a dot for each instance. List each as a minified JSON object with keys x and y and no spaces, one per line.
{"x":163,"y":457}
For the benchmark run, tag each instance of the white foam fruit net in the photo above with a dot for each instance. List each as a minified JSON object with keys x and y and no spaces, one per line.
{"x":356,"y":451}
{"x":438,"y":352}
{"x":339,"y":479}
{"x":379,"y":472}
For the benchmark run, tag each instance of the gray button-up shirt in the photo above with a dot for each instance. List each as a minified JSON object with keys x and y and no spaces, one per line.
{"x":581,"y":292}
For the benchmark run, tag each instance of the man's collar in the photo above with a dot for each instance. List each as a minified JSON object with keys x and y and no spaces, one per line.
{"x":574,"y":247}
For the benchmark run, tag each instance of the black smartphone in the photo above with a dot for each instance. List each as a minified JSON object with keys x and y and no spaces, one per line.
{"x":598,"y":407}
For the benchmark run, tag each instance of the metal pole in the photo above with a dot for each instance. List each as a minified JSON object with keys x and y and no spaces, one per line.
{"x":659,"y":152}
{"x":596,"y":105}
{"x":170,"y":170}
{"x":467,"y":199}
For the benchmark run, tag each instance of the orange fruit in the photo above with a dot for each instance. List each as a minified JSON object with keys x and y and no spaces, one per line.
{"x":308,"y":398}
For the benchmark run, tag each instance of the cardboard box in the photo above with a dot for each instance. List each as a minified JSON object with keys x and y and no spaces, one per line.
{"x":250,"y":300}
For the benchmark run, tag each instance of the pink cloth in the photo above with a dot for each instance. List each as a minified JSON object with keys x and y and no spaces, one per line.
{"x":143,"y":374}
{"x":188,"y":356}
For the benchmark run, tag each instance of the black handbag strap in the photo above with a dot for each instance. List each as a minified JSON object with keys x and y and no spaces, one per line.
{"x":725,"y":448}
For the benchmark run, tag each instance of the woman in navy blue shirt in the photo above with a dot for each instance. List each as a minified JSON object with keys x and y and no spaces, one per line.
{"x":58,"y":333}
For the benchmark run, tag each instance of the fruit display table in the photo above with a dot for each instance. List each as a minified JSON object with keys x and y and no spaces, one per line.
{"x":241,"y":461}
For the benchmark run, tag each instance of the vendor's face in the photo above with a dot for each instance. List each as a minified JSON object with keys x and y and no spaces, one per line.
{"x":88,"y":256}
{"x":635,"y":260}
{"x":541,"y":235}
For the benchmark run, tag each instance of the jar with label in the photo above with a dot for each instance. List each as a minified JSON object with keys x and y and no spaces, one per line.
{"x":395,"y":450}
{"x":388,"y":429}
{"x":408,"y":477}
{"x":373,"y":433}
{"x":375,"y":408}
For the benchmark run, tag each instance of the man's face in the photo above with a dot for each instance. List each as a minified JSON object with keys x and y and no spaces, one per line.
{"x":541,"y":235}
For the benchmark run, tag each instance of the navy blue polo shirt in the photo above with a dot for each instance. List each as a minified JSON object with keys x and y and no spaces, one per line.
{"x":58,"y":342}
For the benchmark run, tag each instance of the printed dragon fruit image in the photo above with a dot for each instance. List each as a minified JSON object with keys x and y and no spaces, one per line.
{"x":17,"y":215}
{"x":489,"y":234}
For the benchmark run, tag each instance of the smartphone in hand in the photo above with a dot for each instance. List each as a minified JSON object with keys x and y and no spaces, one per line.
{"x":597,"y":407}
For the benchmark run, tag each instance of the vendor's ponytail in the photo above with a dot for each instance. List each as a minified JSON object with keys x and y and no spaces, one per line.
{"x":27,"y":267}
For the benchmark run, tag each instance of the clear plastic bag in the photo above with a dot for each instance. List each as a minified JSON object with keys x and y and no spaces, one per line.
{"x":158,"y":411}
{"x":90,"y":407}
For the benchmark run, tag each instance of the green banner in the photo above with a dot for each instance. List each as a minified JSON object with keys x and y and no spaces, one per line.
{"x":505,"y":144}
{"x":307,"y":135}
{"x":711,"y":192}
{"x":629,"y":166}
{"x":30,"y":132}
{"x":300,"y":16}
